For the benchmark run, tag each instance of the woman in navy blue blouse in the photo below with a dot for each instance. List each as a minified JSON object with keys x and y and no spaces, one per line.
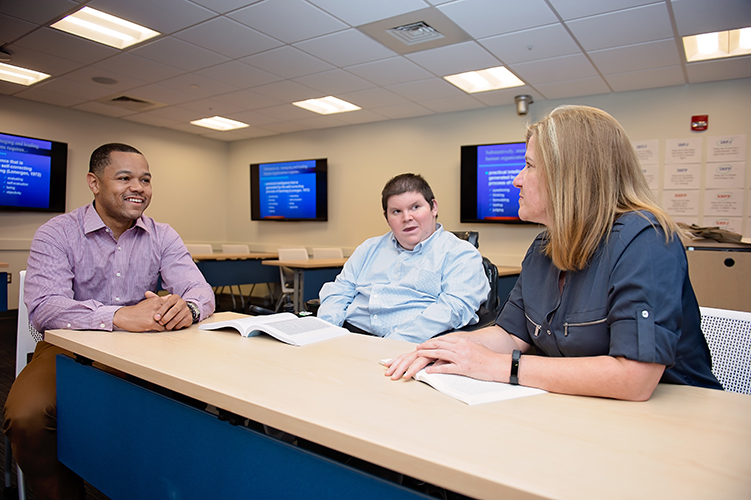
{"x":604,"y":298}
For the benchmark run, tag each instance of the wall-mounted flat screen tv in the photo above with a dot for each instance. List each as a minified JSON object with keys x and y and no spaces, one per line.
{"x":33,"y":174}
{"x":289,"y":191}
{"x":487,"y":176}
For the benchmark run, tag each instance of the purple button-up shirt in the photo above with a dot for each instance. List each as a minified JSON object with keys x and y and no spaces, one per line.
{"x":78,"y":275}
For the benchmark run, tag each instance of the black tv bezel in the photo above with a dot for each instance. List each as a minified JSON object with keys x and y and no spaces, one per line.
{"x":322,"y":193}
{"x":58,"y":178}
{"x":468,"y":186}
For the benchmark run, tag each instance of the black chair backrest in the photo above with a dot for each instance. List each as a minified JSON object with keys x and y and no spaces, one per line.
{"x":471,"y":236}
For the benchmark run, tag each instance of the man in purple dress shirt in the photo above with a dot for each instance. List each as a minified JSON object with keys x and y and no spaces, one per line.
{"x":96,"y":268}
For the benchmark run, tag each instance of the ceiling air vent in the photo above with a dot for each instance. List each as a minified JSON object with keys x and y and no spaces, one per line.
{"x":413,"y":33}
{"x":132,"y":103}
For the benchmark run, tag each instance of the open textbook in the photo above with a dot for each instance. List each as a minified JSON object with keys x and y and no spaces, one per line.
{"x":472,"y":391}
{"x":286,"y":327}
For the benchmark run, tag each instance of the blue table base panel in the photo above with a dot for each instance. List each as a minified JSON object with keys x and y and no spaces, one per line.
{"x":3,"y":291}
{"x":237,"y":272}
{"x":315,"y":279}
{"x":130,"y":442}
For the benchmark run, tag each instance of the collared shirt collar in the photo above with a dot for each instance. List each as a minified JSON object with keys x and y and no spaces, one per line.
{"x":419,"y":246}
{"x":92,"y":222}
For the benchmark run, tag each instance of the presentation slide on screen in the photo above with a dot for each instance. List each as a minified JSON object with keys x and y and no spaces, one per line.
{"x":24,"y":172}
{"x":497,"y":166}
{"x":288,"y":190}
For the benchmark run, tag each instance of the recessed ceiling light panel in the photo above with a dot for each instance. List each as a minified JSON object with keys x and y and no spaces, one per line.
{"x":717,"y":45}
{"x":485,"y":80}
{"x":104,"y":28}
{"x":219,"y":123}
{"x":326,"y":105}
{"x":22,"y":76}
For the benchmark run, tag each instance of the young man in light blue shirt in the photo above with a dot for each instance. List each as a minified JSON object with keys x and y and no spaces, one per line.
{"x":412,"y":283}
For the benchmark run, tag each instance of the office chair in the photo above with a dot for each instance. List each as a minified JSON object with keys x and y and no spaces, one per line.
{"x":327,"y":253}
{"x":237,"y":249}
{"x":728,"y":335}
{"x":471,"y":236}
{"x":287,"y":275}
{"x":26,"y":339}
{"x":199,"y":248}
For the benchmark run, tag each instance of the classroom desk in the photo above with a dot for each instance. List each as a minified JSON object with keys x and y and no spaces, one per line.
{"x":4,"y":286}
{"x":685,"y":442}
{"x":222,"y":269}
{"x":323,"y":269}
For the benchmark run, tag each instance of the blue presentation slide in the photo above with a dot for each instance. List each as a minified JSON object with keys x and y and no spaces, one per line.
{"x":25,"y":167}
{"x":497,"y":166}
{"x":288,"y":190}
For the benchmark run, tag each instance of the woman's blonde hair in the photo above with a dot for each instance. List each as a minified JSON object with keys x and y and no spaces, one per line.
{"x":591,"y":176}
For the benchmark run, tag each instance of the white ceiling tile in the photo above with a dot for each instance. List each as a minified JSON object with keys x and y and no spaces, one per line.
{"x":703,"y":16}
{"x":223,"y":6}
{"x":721,"y":69}
{"x":624,"y":27}
{"x":483,"y":18}
{"x":287,"y":91}
{"x":506,"y":96}
{"x":39,"y":61}
{"x":573,"y":88}
{"x":334,"y":82}
{"x":103,"y":109}
{"x":164,"y":16}
{"x":239,"y":134}
{"x":179,"y":54}
{"x":211,"y":106}
{"x":161,"y":94}
{"x":569,"y":9}
{"x":532,"y":44}
{"x":357,"y":13}
{"x":650,"y":78}
{"x":196,"y":85}
{"x":452,"y":59}
{"x":362,"y":116}
{"x":662,"y":53}
{"x":438,"y":2}
{"x":287,"y":62}
{"x":129,"y":64}
{"x":229,"y":38}
{"x":425,"y":90}
{"x":149,"y":119}
{"x":285,"y":112}
{"x":373,"y":98}
{"x":177,"y":113}
{"x":245,"y":100}
{"x":84,"y":91}
{"x":451,"y":104}
{"x":284,"y":127}
{"x":390,"y":71}
{"x":253,"y":118}
{"x":38,"y":11}
{"x":275,"y":18}
{"x":316,"y":121}
{"x":60,"y":44}
{"x":404,"y":111}
{"x":556,"y":69}
{"x":12,"y":28}
{"x":345,"y":48}
{"x":41,"y":95}
{"x":85,"y":75}
{"x":238,"y":74}
{"x":7,"y":88}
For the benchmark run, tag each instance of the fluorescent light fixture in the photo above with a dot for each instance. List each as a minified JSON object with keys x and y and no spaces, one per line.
{"x":326,"y":105}
{"x":219,"y":123}
{"x":22,"y":76}
{"x":484,"y":80}
{"x":717,"y":45}
{"x":104,"y":28}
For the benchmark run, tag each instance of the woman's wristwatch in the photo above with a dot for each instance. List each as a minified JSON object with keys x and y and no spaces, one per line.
{"x":193,"y":311}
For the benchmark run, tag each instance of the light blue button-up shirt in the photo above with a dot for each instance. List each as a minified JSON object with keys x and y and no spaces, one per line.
{"x":408,"y":295}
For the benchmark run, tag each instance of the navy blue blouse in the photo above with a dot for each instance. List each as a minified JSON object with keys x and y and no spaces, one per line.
{"x":634,"y":300}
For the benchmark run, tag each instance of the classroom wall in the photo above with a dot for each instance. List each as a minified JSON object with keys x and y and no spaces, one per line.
{"x":363,"y":157}
{"x":202,"y":186}
{"x":189,"y":174}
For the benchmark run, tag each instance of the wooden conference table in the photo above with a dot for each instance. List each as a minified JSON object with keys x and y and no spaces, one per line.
{"x":685,"y":442}
{"x":299,"y":266}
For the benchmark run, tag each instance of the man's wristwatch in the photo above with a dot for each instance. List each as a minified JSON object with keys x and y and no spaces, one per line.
{"x":193,"y":311}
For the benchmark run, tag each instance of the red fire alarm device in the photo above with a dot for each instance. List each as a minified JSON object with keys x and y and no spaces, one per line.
{"x":699,"y":122}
